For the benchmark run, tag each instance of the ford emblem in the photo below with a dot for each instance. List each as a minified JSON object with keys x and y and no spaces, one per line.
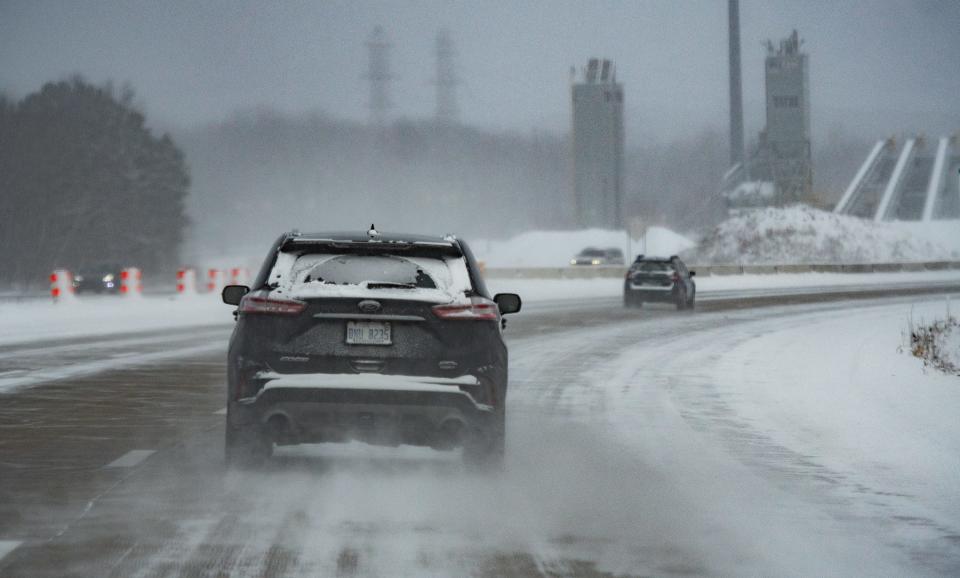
{"x":369,"y":306}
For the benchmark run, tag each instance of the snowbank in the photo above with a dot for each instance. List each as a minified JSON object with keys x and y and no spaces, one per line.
{"x":944,"y":233}
{"x":801,"y":234}
{"x":555,"y":248}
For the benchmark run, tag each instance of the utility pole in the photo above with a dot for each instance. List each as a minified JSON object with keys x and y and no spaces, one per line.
{"x":446,"y":80}
{"x":736,"y":91}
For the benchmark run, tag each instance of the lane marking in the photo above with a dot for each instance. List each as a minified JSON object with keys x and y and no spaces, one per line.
{"x":7,"y":546}
{"x":130,"y":459}
{"x":221,"y":411}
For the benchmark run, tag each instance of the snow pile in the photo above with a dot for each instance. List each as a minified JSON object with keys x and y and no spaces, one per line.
{"x":937,"y":344}
{"x":751,"y":193}
{"x":801,"y":234}
{"x":945,"y":233}
{"x":555,"y":248}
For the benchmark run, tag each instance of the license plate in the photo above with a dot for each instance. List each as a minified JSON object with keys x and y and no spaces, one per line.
{"x":368,"y":333}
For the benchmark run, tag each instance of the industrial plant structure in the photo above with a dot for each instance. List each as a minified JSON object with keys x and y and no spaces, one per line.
{"x":917,"y":180}
{"x":784,"y":152}
{"x":779,"y":171}
{"x":598,"y":146}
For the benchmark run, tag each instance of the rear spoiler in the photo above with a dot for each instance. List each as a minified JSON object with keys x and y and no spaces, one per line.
{"x":423,"y":248}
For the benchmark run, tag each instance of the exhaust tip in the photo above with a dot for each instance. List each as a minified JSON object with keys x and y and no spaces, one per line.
{"x":450,"y":434}
{"x":279,"y":429}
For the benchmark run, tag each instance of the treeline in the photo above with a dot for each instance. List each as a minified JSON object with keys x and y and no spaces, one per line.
{"x":84,"y":182}
{"x":262,"y":172}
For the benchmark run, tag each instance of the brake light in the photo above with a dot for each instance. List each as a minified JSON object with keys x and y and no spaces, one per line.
{"x":476,"y":309}
{"x":246,"y":384}
{"x":274,"y":306}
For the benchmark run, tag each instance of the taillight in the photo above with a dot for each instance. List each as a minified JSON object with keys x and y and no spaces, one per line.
{"x":478,"y":308}
{"x":271,"y":305}
{"x":246,"y":384}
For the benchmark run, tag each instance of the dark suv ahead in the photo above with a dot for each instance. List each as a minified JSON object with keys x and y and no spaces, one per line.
{"x":103,"y":279}
{"x":661,"y":279}
{"x":387,"y":339}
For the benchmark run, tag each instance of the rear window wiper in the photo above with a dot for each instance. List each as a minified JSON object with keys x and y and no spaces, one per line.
{"x":390,"y":285}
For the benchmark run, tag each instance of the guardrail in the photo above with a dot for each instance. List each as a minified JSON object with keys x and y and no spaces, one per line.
{"x":601,"y":271}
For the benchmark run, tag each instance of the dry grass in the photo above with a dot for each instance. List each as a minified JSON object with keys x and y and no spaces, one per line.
{"x":930,"y":342}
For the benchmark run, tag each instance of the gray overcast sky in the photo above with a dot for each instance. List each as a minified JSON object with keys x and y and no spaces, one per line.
{"x":875,"y":66}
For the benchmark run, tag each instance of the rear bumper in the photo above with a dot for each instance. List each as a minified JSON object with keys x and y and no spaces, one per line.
{"x":382,"y":409}
{"x":650,"y":293}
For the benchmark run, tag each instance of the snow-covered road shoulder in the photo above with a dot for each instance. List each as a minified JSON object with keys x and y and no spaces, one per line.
{"x":837,"y":391}
{"x":40,"y":320}
{"x":804,"y":429}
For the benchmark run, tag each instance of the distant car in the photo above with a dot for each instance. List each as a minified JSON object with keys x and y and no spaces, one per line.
{"x":659,"y":279}
{"x":387,"y":339}
{"x":594,"y":256}
{"x":102,"y":279}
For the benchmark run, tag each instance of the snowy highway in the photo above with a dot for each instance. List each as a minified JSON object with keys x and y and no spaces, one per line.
{"x":788,"y":439}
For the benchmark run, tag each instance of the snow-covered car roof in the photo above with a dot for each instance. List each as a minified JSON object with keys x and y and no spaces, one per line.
{"x":363,"y":238}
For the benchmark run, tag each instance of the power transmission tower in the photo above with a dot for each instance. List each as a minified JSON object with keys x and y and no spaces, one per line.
{"x":446,"y":80}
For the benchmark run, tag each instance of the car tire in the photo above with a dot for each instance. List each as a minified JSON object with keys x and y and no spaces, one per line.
{"x":487,"y":453}
{"x":246,"y":448}
{"x":692,"y":304}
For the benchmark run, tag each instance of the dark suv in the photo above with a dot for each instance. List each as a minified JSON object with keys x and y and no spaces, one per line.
{"x":660,"y":279}
{"x":387,"y":339}
{"x":103,"y":279}
{"x":594,"y":256}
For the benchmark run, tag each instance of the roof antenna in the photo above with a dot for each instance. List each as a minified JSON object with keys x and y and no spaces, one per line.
{"x":373,"y":233}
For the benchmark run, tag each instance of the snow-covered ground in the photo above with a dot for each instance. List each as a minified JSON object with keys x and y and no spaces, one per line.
{"x":555,"y":248}
{"x":801,"y":234}
{"x":848,"y":449}
{"x":91,"y":316}
{"x":859,"y":403}
{"x":88,"y":316}
{"x":942,"y":233}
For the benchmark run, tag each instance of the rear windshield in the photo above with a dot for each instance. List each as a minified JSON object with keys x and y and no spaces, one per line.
{"x":310,"y":274}
{"x":379,"y":270}
{"x":655,"y":267}
{"x":592,"y":253}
